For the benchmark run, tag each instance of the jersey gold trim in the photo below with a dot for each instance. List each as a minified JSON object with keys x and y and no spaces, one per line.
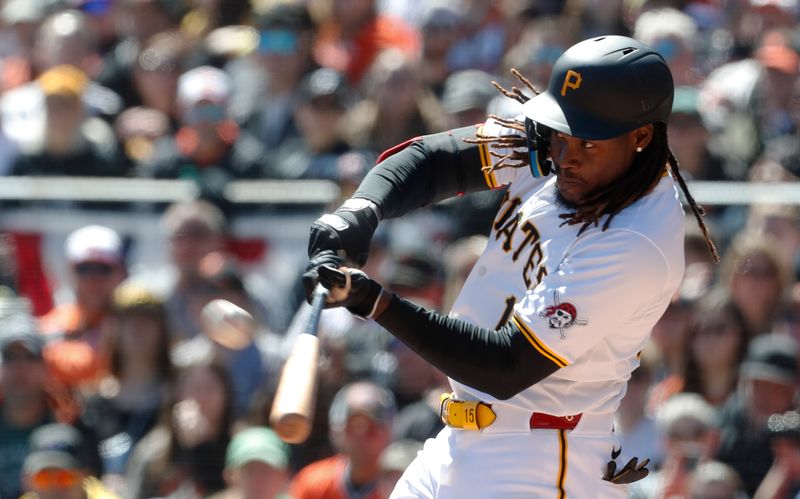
{"x":537,"y":343}
{"x":486,"y":162}
{"x":562,"y":463}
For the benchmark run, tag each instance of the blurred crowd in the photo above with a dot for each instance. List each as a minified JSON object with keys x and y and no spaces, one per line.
{"x":125,"y":389}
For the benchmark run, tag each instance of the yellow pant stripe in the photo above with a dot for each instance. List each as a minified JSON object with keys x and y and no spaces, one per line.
{"x":537,"y":343}
{"x":486,"y":160}
{"x":562,"y":463}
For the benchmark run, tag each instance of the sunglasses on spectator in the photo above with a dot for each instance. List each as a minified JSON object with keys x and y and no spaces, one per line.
{"x":360,"y":425}
{"x":194,"y":232}
{"x":14,"y":357}
{"x":93,"y":268}
{"x":715,"y":329}
{"x":278,"y":41}
{"x":205,"y":113}
{"x":688,"y":432}
{"x":667,"y":47}
{"x":54,"y":478}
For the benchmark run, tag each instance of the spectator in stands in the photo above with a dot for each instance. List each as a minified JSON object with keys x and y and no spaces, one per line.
{"x":396,"y":108}
{"x":286,"y":36}
{"x":25,"y":404}
{"x":416,"y":276}
{"x":394,"y":460}
{"x":716,"y":346}
{"x":773,"y":221}
{"x":138,"y":129}
{"x":536,"y":52}
{"x":482,"y":38}
{"x":634,"y":425}
{"x":783,"y":477}
{"x":130,"y":398}
{"x":355,"y":35}
{"x":686,"y":423}
{"x":70,"y":143}
{"x":747,"y":101}
{"x":256,"y":466}
{"x":194,"y":230}
{"x":757,"y":278}
{"x":155,"y":71}
{"x":66,"y":37}
{"x":321,"y":152}
{"x":667,"y":345}
{"x":713,"y":479}
{"x":185,"y":453}
{"x":360,"y":428}
{"x":58,"y":466}
{"x":459,"y":258}
{"x":97,"y":267}
{"x":689,"y":138}
{"x":760,"y":16}
{"x":20,"y":20}
{"x":439,"y":26}
{"x":240,"y":355}
{"x":466,"y":96}
{"x":768,"y":386}
{"x":142,"y":20}
{"x":209,"y":147}
{"x":674,"y":35}
{"x":101,"y":17}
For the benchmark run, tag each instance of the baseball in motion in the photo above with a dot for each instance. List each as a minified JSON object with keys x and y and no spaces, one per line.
{"x":228,"y":325}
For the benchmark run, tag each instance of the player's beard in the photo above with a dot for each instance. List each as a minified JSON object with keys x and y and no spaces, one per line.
{"x":563,"y":202}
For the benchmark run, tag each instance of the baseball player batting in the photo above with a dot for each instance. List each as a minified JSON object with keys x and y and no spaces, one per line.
{"x":584,"y":255}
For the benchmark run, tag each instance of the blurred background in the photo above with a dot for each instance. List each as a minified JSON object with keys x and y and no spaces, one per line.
{"x":160,"y":154}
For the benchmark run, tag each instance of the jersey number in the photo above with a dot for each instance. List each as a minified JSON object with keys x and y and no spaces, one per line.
{"x":510,"y":301}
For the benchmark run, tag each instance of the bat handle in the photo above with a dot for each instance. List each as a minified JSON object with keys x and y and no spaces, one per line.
{"x":317,"y":305}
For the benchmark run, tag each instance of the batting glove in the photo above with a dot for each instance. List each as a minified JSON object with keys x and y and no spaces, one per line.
{"x":352,"y":289}
{"x":347,"y":231}
{"x":310,"y":277}
{"x":633,"y":471}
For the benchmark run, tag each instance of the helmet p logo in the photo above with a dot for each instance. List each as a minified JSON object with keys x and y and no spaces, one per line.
{"x":571,"y":80}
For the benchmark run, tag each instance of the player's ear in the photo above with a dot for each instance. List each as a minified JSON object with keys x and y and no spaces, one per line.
{"x":642,"y":137}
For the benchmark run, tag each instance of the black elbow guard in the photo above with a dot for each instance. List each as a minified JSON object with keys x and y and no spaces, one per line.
{"x":427,"y":170}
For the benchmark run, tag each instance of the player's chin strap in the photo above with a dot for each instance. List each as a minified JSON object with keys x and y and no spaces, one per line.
{"x":538,"y":139}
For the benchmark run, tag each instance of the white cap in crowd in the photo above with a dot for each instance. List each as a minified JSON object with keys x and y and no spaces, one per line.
{"x":205,"y":83}
{"x":94,"y":243}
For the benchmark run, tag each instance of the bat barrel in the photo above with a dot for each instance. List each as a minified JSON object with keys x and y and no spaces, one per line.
{"x":293,"y":408}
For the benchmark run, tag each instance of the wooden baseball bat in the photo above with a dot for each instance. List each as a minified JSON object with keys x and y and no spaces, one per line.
{"x":293,"y":408}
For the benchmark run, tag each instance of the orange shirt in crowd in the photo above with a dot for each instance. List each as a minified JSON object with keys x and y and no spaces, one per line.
{"x":73,"y":359}
{"x":324,"y":479}
{"x":353,"y":58}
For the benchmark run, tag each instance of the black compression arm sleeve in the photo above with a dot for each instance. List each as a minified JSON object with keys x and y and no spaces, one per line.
{"x":428,"y":170}
{"x":501,"y":363}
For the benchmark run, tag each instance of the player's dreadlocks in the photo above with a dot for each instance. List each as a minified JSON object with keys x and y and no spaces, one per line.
{"x":643,"y":176}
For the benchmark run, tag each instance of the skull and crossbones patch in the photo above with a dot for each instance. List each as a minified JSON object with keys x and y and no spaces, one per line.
{"x":561,"y":315}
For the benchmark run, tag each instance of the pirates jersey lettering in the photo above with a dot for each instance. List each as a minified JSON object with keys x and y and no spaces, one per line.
{"x":556,"y":286}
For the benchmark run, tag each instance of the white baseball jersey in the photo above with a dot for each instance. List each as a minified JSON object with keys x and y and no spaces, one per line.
{"x":586,"y":302}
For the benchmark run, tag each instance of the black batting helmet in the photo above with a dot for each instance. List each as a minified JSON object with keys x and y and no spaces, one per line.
{"x":604,"y":87}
